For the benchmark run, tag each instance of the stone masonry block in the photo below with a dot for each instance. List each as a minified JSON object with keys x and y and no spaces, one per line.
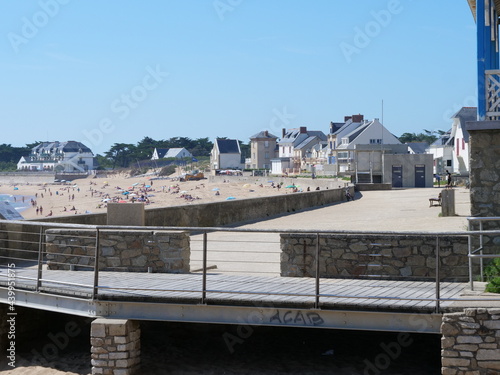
{"x":98,"y":328}
{"x":117,"y":327}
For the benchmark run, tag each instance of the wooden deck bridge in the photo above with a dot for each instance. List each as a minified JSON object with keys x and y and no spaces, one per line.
{"x":244,"y":287}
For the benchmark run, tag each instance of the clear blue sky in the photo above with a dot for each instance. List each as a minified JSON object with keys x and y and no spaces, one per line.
{"x":105,"y":72}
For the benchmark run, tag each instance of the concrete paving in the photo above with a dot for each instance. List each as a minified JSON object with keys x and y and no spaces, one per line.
{"x":393,"y":210}
{"x":383,"y":210}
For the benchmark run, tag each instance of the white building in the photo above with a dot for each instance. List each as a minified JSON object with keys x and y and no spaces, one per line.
{"x":451,"y":150}
{"x":165,"y":153}
{"x":371,"y":133}
{"x":294,"y":147}
{"x":176,"y":153}
{"x":70,"y":156}
{"x":226,"y":154}
{"x":461,"y":139}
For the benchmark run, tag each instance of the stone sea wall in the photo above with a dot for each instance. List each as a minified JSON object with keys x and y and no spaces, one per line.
{"x":470,"y":342}
{"x":215,"y":214}
{"x":396,"y":257}
{"x":120,"y":250}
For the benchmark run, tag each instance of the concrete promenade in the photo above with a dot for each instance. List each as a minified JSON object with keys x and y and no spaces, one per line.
{"x":384,"y":210}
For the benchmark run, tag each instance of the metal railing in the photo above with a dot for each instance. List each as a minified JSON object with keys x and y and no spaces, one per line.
{"x":478,"y":252}
{"x":27,"y":247}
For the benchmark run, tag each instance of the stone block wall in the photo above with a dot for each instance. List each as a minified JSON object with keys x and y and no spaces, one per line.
{"x":120,"y":250}
{"x":116,"y":346}
{"x":484,"y":172}
{"x":398,"y":257}
{"x":470,"y":342}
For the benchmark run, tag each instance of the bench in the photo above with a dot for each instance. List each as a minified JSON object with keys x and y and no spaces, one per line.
{"x":435,"y":201}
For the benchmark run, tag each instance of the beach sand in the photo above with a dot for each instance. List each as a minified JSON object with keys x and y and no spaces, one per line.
{"x":90,"y":195}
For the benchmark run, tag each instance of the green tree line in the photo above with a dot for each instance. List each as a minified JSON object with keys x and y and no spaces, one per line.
{"x":427,"y":136}
{"x":10,"y":155}
{"x":122,"y":155}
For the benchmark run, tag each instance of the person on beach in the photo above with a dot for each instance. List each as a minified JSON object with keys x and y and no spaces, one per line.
{"x":448,"y":179}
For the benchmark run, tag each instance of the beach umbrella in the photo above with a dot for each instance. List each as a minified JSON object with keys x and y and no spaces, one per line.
{"x":125,"y":193}
{"x":215,"y":189}
{"x":148,"y":186}
{"x":183,"y":192}
{"x":247,"y":186}
{"x":106,"y":200}
{"x":133,"y":195}
{"x":122,"y":201}
{"x":290,"y":186}
{"x":135,"y":184}
{"x":230,"y":198}
{"x":16,"y":188}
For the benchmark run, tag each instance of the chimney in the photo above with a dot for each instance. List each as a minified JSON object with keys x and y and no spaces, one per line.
{"x":347,"y":118}
{"x":303,"y":129}
{"x":283,"y":132}
{"x":358,"y":118}
{"x":266,"y":133}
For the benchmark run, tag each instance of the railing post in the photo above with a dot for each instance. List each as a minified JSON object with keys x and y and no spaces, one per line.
{"x":316,"y":302}
{"x":471,"y":277}
{"x":438,"y":292}
{"x":40,"y":260}
{"x":204,"y":277}
{"x":481,"y":251}
{"x":95,"y":290}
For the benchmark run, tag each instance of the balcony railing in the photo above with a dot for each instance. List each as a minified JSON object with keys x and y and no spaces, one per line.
{"x":492,"y":94}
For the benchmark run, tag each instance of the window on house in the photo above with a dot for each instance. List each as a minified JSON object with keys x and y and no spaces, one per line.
{"x":448,"y":163}
{"x":266,"y":155}
{"x":376,"y":141}
{"x":266,"y":144}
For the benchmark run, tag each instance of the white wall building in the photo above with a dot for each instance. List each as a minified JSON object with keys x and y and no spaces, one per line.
{"x":226,"y":154}
{"x":177,"y":153}
{"x":451,"y":150}
{"x":70,"y":156}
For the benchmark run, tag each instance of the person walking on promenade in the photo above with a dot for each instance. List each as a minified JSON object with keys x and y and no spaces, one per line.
{"x":448,"y":179}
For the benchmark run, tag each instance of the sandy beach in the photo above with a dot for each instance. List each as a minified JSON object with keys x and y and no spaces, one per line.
{"x":91,"y":195}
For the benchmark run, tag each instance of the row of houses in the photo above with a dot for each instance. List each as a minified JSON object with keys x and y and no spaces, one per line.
{"x":357,"y":147}
{"x":361,"y":148}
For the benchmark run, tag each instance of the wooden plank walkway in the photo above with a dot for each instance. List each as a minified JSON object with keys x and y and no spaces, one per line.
{"x":243,"y":290}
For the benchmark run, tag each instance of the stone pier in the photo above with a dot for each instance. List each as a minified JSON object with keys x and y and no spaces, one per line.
{"x":116,"y":346}
{"x":470,"y":344}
